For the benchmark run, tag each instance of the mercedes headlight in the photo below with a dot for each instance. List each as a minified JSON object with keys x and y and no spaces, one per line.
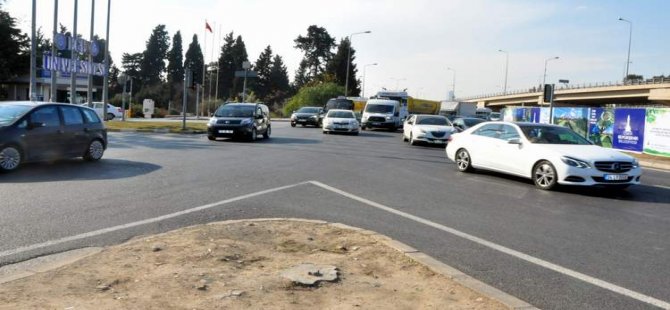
{"x":636,"y":163}
{"x":574,"y":162}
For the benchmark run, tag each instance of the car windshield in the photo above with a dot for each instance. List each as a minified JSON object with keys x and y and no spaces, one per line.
{"x":235,"y":111}
{"x":433,"y":120}
{"x":472,"y":121}
{"x":343,"y":104}
{"x":341,"y":114}
{"x":552,"y":135}
{"x":379,"y":108}
{"x":9,"y":113}
{"x":308,"y":110}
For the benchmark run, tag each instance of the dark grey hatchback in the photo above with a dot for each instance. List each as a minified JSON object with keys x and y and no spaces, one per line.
{"x":233,"y":120}
{"x":38,"y":131}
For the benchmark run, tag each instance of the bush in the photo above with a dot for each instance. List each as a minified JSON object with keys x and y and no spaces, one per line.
{"x":137,"y":111}
{"x":313,"y":95}
{"x":159,"y":113}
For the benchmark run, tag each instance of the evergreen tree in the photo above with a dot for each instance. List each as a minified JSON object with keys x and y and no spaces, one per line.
{"x":239,"y":53}
{"x":14,"y":48}
{"x":131,"y":64}
{"x":280,"y":88}
{"x":175,"y":67}
{"x":316,"y":46}
{"x":337,"y":68}
{"x":227,"y":67}
{"x":263,"y":67}
{"x":152,"y":66}
{"x":195,"y":60}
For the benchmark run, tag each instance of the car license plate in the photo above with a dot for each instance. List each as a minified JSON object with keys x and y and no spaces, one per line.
{"x":225,"y":131}
{"x":616,"y":177}
{"x":301,"y":120}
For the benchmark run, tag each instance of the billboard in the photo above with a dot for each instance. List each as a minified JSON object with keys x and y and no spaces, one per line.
{"x":601,"y":126}
{"x":629,"y":129}
{"x":573,"y":118}
{"x":657,"y":132}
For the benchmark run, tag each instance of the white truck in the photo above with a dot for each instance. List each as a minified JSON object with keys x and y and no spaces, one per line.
{"x":452,"y":109}
{"x":382,"y":113}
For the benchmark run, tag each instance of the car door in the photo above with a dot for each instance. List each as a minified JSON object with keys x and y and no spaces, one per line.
{"x":481,"y":145}
{"x":407,"y":127}
{"x":44,"y":135}
{"x":510,"y":156}
{"x":261,"y":126}
{"x":75,"y":135}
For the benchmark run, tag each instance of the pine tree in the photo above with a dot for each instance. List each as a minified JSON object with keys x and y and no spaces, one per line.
{"x":175,"y":67}
{"x":316,"y":46}
{"x":152,"y":66}
{"x":195,"y":60}
{"x":14,"y":48}
{"x":263,"y":67}
{"x":280,"y":88}
{"x":239,"y":53}
{"x":337,"y":67}
{"x":301,"y":77}
{"x":131,"y":64}
{"x":226,"y":67}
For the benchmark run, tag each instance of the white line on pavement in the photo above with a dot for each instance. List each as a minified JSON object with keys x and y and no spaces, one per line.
{"x":531,"y":259}
{"x":142,"y":222}
{"x":662,"y":186}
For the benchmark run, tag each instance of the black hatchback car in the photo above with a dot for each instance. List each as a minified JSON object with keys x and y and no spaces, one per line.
{"x":37,"y":131}
{"x":240,"y":120}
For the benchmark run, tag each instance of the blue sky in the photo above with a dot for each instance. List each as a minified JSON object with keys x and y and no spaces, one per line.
{"x":412,"y":41}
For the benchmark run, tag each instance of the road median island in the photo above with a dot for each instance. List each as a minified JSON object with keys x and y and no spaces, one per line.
{"x":244,"y":264}
{"x":157,"y":126}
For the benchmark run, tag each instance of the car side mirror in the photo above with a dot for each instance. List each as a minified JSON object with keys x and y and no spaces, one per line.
{"x":516,"y":141}
{"x":33,"y":125}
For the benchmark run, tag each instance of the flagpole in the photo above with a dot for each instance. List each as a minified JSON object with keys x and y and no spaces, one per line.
{"x":204,"y":66}
{"x":218,"y":67}
{"x":211,"y":59}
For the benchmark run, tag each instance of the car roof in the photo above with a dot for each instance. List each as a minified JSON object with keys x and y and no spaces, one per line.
{"x":429,"y":115}
{"x":311,"y":107}
{"x":340,"y":110}
{"x":36,"y":103}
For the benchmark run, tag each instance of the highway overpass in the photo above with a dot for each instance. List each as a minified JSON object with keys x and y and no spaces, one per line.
{"x":652,"y":92}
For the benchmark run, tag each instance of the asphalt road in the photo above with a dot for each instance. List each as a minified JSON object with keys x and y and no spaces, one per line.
{"x":621,"y":238}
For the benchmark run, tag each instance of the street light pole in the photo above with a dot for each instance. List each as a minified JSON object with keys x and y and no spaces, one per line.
{"x":73,"y":60}
{"x":453,"y":84}
{"x":364,"y":68}
{"x":506,"y":69}
{"x":346,"y":80}
{"x":544,"y":79}
{"x":33,"y":54}
{"x":630,"y":39}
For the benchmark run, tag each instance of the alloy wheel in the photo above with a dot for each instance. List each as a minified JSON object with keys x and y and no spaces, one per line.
{"x":545,"y":175}
{"x":463,"y":160}
{"x":10,"y":158}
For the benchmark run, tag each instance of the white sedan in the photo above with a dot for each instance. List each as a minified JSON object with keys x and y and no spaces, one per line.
{"x":435,"y":129}
{"x":112,"y":111}
{"x":547,"y":154}
{"x":343,"y":121}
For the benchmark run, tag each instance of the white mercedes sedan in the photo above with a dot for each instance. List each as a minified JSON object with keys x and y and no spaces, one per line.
{"x":434,"y":129}
{"x":547,"y":154}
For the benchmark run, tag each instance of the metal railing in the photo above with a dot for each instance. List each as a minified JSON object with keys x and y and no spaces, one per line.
{"x":538,"y":89}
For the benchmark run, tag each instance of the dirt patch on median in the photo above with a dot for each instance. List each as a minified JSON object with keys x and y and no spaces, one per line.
{"x":238,"y":266}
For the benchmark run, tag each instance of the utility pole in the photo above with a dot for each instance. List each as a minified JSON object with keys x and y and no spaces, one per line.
{"x":105,"y":80}
{"x":346,"y":81}
{"x":506,"y":69}
{"x":188,"y":77}
{"x":33,"y":54}
{"x":73,"y":59}
{"x":54,"y":78}
{"x":245,"y":65}
{"x":90,"y":57}
{"x":630,"y":40}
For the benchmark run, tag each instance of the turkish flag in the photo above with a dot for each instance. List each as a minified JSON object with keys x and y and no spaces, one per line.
{"x":207,"y":27}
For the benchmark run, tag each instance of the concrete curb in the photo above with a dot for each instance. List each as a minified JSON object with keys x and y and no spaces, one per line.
{"x":45,"y":263}
{"x":655,"y":164}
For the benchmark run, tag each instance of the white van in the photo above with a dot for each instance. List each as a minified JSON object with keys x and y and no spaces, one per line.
{"x":382,"y":113}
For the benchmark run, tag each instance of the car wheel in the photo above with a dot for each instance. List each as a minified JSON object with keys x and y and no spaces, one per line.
{"x":254,"y":135}
{"x":411,"y":139}
{"x":363,"y":128}
{"x":325,"y":132}
{"x":10,"y":158}
{"x":319,"y":124}
{"x":292,"y":124}
{"x":211,"y":138}
{"x":94,"y":151}
{"x":544,"y":175}
{"x":110,"y":116}
{"x":463,"y":161}
{"x":267,"y":133}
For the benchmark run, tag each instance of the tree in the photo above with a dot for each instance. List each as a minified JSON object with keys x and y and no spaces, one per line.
{"x":239,"y":53}
{"x":263,"y":67}
{"x":195,"y":60}
{"x":301,"y":76}
{"x":227,"y":67}
{"x":337,"y":67}
{"x":175,"y":69}
{"x":316,"y":46}
{"x":279,"y":83}
{"x":14,"y":48}
{"x":313,"y":94}
{"x":131,"y":63}
{"x":152,"y":66}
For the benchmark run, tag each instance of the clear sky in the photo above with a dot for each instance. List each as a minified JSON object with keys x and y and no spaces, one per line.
{"x":413,"y":41}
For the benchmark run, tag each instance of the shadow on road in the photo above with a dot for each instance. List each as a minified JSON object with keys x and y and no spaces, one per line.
{"x":634,"y":193}
{"x":77,"y":169}
{"x":272,"y":140}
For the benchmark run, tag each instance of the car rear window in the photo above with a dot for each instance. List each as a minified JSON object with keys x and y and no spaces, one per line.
{"x":72,"y":116}
{"x":91,"y":116}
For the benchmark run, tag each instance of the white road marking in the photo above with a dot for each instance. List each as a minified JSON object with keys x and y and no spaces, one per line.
{"x":662,"y":186}
{"x":531,"y":259}
{"x":142,"y":222}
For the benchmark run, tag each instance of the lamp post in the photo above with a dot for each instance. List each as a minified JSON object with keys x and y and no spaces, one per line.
{"x":397,"y":82}
{"x":506,"y":69}
{"x":544,"y":78}
{"x":364,"y":68}
{"x":346,"y":80}
{"x":453,"y":84}
{"x":630,"y":39}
